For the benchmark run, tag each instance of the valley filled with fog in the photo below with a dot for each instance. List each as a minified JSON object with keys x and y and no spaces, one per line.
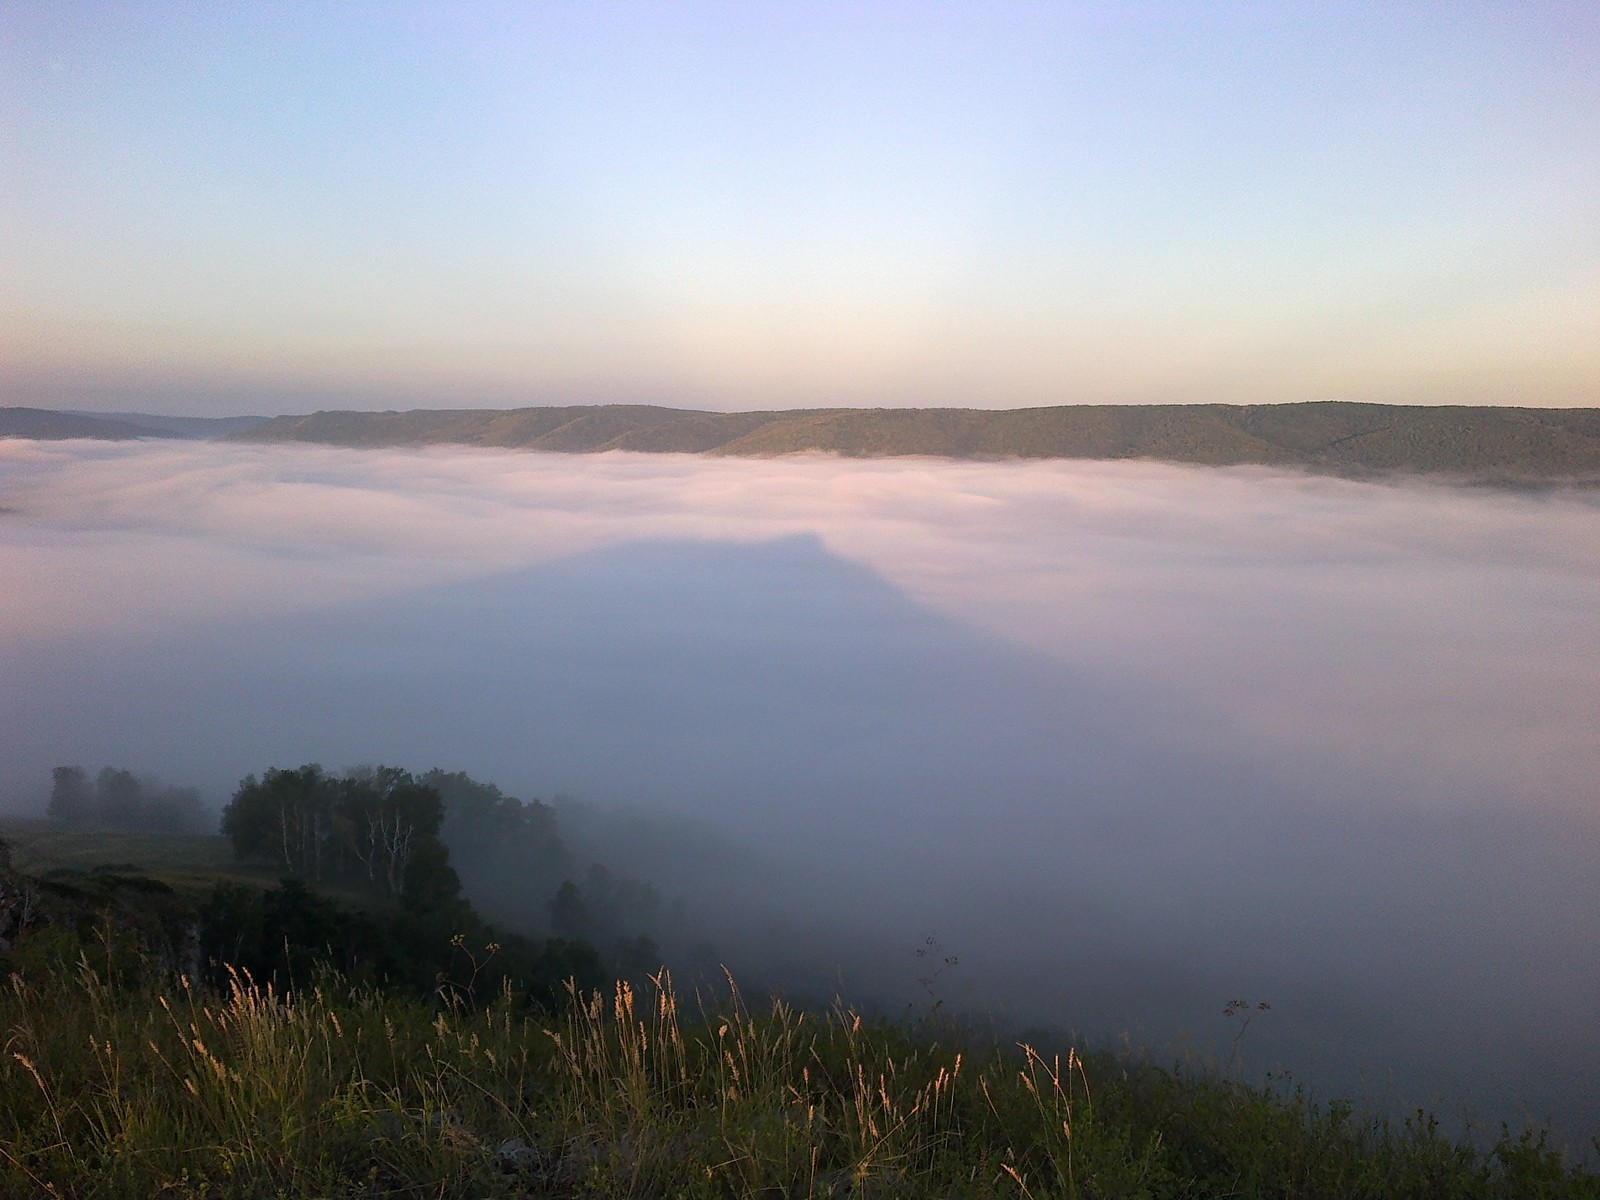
{"x":1127,"y":740}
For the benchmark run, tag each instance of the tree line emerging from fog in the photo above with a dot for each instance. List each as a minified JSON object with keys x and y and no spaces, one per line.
{"x":403,"y":835}
{"x":358,"y":1029}
{"x":118,"y":799}
{"x":367,"y":884}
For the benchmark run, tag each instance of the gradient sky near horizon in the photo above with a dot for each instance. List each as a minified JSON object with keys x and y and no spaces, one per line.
{"x":223,"y":208}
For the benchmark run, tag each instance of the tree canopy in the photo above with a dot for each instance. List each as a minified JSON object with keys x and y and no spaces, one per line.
{"x":373,"y":822}
{"x":123,"y":800}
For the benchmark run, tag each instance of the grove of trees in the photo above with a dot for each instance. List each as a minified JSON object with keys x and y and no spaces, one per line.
{"x":407,"y":836}
{"x":379,"y":824}
{"x":122,"y":800}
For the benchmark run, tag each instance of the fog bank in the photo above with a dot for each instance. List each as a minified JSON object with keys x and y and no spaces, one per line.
{"x":1130,"y":740}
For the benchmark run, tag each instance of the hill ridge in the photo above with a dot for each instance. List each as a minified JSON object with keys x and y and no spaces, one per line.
{"x":1340,"y":437}
{"x":1486,"y":443}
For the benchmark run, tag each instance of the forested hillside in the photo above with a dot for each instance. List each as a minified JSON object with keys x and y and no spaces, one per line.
{"x":1498,"y":444}
{"x":1510,"y":443}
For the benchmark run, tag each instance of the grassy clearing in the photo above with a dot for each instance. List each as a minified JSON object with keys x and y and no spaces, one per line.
{"x":189,"y":863}
{"x":40,"y":845}
{"x":114,"y":1091}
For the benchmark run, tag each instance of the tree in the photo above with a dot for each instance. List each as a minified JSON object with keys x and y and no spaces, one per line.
{"x":569,"y":916}
{"x":125,"y":801}
{"x":70,"y":797}
{"x":286,"y":818}
{"x":431,"y":883}
{"x":480,"y":818}
{"x":374,"y":821}
{"x":118,"y":797}
{"x":508,"y":851}
{"x":386,"y":816}
{"x":175,"y":809}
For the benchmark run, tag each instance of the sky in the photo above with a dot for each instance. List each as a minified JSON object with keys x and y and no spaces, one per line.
{"x":215,"y":209}
{"x":1130,"y":740}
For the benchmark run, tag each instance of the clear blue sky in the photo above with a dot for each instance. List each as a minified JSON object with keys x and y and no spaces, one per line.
{"x":272,"y":207}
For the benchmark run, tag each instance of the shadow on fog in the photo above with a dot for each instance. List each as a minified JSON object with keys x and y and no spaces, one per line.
{"x":830,"y":774}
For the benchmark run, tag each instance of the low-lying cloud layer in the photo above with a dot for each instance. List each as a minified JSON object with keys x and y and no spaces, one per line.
{"x":1130,"y":740}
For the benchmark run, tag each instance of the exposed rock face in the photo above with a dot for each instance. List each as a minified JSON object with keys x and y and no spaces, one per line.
{"x":178,"y":955}
{"x":19,"y":901}
{"x":160,"y":927}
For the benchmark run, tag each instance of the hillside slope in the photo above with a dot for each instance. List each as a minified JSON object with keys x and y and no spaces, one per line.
{"x":45,"y":424}
{"x":1331,"y":436}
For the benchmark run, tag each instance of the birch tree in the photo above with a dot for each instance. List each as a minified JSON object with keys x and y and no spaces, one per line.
{"x":386,"y":815}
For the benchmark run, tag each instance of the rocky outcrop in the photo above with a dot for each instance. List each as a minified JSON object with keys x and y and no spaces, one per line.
{"x":19,"y":901}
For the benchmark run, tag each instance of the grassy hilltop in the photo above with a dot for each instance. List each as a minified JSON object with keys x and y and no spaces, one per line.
{"x":1509,"y":443}
{"x":126,"y":1077}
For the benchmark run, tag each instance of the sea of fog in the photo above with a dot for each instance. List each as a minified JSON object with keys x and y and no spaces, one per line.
{"x":1126,"y":740}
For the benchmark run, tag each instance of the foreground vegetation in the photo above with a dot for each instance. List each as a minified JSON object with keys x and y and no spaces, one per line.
{"x":113,"y":1088}
{"x":172,"y":1035}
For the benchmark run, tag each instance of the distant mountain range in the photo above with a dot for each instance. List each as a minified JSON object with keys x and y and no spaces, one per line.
{"x":1507,"y":444}
{"x":48,"y":424}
